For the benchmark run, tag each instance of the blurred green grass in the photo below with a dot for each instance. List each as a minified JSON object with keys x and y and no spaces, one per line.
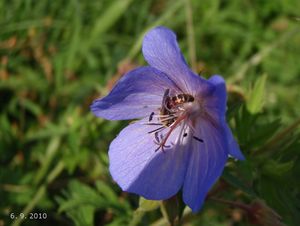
{"x":57,"y":56}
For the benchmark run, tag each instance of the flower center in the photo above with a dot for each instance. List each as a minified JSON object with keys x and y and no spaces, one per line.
{"x":175,"y":111}
{"x":173,"y":107}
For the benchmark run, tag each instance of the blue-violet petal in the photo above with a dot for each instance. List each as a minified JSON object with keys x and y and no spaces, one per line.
{"x":138,"y":168}
{"x":136,"y":95}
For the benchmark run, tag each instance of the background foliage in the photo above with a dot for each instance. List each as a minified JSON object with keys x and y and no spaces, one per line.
{"x":57,"y":56}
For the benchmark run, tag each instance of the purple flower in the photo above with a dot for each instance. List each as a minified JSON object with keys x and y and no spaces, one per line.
{"x":182,"y":140}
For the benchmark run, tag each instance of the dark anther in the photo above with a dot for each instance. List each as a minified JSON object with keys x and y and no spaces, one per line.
{"x":151,"y":116}
{"x":185,"y":134}
{"x":161,"y":137}
{"x":156,"y":137}
{"x":198,"y":139}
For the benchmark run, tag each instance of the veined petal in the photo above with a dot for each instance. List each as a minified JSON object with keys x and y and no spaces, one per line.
{"x":206,"y":163}
{"x":136,"y":95}
{"x":234,"y":149}
{"x":216,"y":99}
{"x":137,"y":168}
{"x":217,"y":103}
{"x":161,"y":50}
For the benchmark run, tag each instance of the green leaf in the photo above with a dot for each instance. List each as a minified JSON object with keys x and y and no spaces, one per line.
{"x":256,"y":97}
{"x":31,"y":106}
{"x":275,"y":168}
{"x":145,"y":205}
{"x":281,"y":197}
{"x":236,"y":182}
{"x":148,"y":205}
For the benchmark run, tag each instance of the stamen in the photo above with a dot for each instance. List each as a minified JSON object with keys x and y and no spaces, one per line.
{"x":172,"y":127}
{"x":168,"y":119}
{"x":153,"y":124}
{"x":163,"y":116}
{"x":171,"y":114}
{"x":159,"y":139}
{"x":156,"y":129}
{"x":162,"y":148}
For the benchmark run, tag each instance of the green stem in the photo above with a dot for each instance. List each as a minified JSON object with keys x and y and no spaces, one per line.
{"x":52,"y":149}
{"x":164,"y":222}
{"x":191,"y":35}
{"x":137,"y":217}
